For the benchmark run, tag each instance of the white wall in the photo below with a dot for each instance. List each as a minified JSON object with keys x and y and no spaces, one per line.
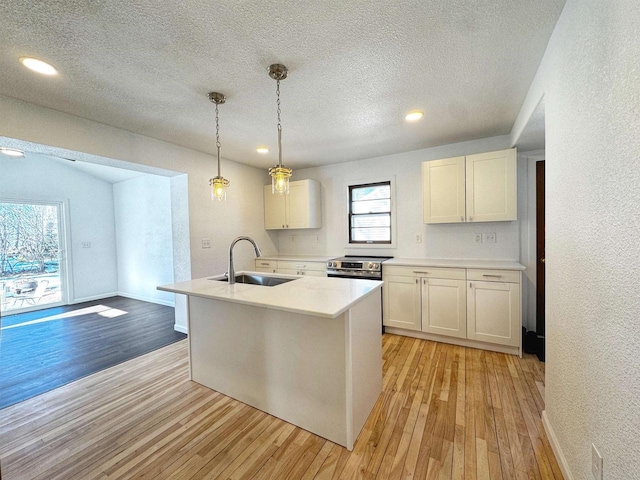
{"x":91,"y":217}
{"x":144,"y":237}
{"x":589,"y":77}
{"x":27,"y":126}
{"x":438,"y":241}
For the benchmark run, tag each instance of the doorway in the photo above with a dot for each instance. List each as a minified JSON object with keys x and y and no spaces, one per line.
{"x":540,"y":259}
{"x":32,"y":271}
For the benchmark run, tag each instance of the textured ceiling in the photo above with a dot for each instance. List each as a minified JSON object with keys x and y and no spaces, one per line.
{"x":356,"y":67}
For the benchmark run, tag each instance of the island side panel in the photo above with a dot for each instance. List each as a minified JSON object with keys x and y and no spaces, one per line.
{"x":364,"y":362}
{"x":286,"y":364}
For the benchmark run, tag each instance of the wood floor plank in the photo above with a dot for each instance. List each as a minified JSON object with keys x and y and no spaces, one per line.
{"x":446,"y":412}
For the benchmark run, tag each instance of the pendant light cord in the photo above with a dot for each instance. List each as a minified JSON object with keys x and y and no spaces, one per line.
{"x":218,"y":137}
{"x":279,"y":125}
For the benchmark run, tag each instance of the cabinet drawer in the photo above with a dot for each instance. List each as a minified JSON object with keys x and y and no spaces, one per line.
{"x":508,"y":276}
{"x":426,"y":272}
{"x":301,"y":265}
{"x":263,"y":264}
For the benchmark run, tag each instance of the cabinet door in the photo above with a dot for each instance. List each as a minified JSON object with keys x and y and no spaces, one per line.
{"x":491,"y":186}
{"x":314,"y":273}
{"x":297,"y":205}
{"x":274,"y":210}
{"x":493,"y":312}
{"x":402,"y":302}
{"x":265,"y":270}
{"x":443,"y":192}
{"x":287,"y":271}
{"x":444,"y":307}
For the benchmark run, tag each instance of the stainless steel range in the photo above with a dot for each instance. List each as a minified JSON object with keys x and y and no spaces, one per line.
{"x":356,"y":266}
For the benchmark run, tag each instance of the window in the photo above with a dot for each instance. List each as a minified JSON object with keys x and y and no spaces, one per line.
{"x":370,"y":213}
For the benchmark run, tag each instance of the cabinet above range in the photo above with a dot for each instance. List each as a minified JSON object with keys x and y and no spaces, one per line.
{"x":301,"y":208}
{"x":472,"y":188}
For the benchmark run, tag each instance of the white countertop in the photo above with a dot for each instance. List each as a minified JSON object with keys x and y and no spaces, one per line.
{"x":317,"y":296}
{"x":296,"y":258}
{"x":454,"y":263}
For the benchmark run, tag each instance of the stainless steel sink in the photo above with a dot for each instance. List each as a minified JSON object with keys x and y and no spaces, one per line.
{"x":257,"y":280}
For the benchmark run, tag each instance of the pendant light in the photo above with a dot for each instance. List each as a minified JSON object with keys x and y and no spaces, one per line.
{"x":279,"y":174}
{"x":218,"y":184}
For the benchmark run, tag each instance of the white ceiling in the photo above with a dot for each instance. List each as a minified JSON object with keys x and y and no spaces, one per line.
{"x":356,"y":67}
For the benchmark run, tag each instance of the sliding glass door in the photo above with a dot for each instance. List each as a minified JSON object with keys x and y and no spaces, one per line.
{"x":31,"y":270}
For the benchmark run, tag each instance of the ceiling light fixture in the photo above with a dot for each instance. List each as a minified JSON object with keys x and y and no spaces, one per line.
{"x":38,"y":66}
{"x":218,"y":184}
{"x":414,"y":115}
{"x":262,"y":150}
{"x":279,"y":174}
{"x":11,"y":152}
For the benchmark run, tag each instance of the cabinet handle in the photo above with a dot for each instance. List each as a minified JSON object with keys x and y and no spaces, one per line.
{"x":266,"y":264}
{"x":462,"y":219}
{"x":300,"y":265}
{"x":283,"y":225}
{"x":287,"y":226}
{"x":492,"y":276}
{"x":416,"y":281}
{"x":470,"y":285}
{"x":417,"y":271}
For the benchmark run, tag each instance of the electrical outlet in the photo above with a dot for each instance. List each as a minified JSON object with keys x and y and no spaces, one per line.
{"x":292,"y":238}
{"x":206,"y":243}
{"x":317,"y":238}
{"x":86,"y":244}
{"x":418,"y":238}
{"x":596,"y":463}
{"x":478,"y":237}
{"x":489,"y":238}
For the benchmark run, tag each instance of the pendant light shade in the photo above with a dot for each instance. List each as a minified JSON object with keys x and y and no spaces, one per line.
{"x":218,"y":184}
{"x":279,"y":174}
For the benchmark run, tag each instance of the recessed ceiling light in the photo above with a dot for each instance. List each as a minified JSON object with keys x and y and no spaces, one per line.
{"x":12,"y":152}
{"x":414,"y":115}
{"x":262,"y":150}
{"x":38,"y":66}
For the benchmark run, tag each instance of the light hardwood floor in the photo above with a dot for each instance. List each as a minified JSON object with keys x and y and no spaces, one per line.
{"x":445,"y":412}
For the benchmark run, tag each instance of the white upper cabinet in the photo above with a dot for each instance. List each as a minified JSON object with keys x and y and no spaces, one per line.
{"x":302,"y":208}
{"x":475,"y":188}
{"x":443,"y":190}
{"x":491,"y":186}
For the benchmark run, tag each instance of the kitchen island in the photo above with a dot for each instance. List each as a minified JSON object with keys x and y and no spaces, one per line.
{"x":307,"y":351}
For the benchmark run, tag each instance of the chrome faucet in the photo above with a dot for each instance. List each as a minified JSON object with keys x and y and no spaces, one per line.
{"x":232,"y":272}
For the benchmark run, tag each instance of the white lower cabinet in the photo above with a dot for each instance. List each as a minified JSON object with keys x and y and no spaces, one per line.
{"x":493,"y":312}
{"x":468,"y":306}
{"x":266,"y":266}
{"x":290,"y":267}
{"x":401,"y":302}
{"x":444,"y":307}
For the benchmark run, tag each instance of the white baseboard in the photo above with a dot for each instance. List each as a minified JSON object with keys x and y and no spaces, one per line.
{"x":463,"y":342}
{"x":147,"y":299}
{"x":555,"y":446}
{"x":93,"y":297}
{"x":181,"y":329}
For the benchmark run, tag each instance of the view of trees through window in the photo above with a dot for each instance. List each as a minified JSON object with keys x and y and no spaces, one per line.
{"x":370,"y":213}
{"x":29,"y":255}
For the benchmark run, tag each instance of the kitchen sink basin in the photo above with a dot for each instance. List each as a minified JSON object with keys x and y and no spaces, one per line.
{"x":258,"y":280}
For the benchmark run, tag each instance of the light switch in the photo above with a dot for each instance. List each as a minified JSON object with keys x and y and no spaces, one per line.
{"x":206,"y":243}
{"x":478,"y":237}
